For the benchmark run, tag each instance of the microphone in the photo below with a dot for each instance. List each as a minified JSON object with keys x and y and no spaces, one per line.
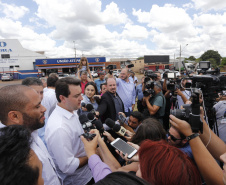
{"x":83,"y":104}
{"x":91,"y":117}
{"x":90,"y":108}
{"x":109,"y":122}
{"x":86,"y":124}
{"x":99,"y":126}
{"x":120,"y":130}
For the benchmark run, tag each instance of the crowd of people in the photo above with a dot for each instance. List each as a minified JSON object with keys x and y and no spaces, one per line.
{"x":42,"y":138}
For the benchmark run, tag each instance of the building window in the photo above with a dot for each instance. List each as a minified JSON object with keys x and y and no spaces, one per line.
{"x":5,"y":55}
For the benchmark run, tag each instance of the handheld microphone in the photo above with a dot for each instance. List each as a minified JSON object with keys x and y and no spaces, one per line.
{"x":90,"y":108}
{"x":83,"y":104}
{"x":91,"y":117}
{"x":120,"y":130}
{"x":86,"y":124}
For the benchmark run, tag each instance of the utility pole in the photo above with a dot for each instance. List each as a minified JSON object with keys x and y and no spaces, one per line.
{"x":75,"y":57}
{"x":180,"y":61}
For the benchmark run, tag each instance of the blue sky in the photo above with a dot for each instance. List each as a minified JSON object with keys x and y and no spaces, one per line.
{"x":117,"y":28}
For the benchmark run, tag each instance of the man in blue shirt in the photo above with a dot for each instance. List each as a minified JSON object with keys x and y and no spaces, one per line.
{"x":126,"y":91}
{"x":100,"y":81}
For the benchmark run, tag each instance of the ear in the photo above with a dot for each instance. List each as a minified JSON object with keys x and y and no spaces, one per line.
{"x":62,"y":98}
{"x":15,"y":117}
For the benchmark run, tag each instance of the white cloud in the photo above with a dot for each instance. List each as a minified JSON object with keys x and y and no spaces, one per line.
{"x":134,"y":32}
{"x":206,"y":5}
{"x":12,"y":11}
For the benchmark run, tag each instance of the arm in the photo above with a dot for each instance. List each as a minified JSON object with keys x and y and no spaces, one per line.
{"x":90,"y":76}
{"x":107,"y":156}
{"x":152,"y":109}
{"x":182,"y":95}
{"x":164,"y":86}
{"x":98,"y":168}
{"x":216,"y":146}
{"x":134,"y":98}
{"x":102,"y":108}
{"x":210,"y":170}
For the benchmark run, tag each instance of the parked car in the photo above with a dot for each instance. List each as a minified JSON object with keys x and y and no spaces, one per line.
{"x":94,"y":74}
{"x":62,"y":75}
{"x":6,"y":77}
{"x":98,"y":72}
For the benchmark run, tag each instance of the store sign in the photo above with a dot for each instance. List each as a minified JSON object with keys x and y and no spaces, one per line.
{"x":3,"y":44}
{"x":2,"y":50}
{"x":66,"y":61}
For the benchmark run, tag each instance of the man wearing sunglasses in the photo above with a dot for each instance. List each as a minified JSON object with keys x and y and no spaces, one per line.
{"x":179,"y":140}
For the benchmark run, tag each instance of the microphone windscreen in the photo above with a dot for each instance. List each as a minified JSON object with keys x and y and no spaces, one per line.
{"x":83,"y":119}
{"x":90,"y":116}
{"x":98,"y":124}
{"x":109,"y":122}
{"x":116,"y":128}
{"x":83,"y":104}
{"x":89,"y":107}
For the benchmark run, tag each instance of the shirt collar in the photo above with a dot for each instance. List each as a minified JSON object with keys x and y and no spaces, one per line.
{"x":65,"y":112}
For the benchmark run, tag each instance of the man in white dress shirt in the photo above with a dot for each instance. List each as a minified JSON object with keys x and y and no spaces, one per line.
{"x":63,"y":132}
{"x":21,"y":105}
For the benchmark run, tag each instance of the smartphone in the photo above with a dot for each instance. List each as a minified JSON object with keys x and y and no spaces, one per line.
{"x":125,"y":148}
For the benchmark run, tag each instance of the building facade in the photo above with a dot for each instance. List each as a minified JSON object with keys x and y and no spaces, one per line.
{"x":16,"y":60}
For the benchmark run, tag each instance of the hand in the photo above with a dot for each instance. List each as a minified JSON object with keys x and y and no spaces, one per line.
{"x":95,"y":131}
{"x":89,"y":146}
{"x":109,"y":136}
{"x":97,"y":113}
{"x":99,"y":96}
{"x":181,"y":125}
{"x":178,"y":91}
{"x":133,"y":106}
{"x":188,"y":102}
{"x":130,"y":135}
{"x":147,"y":98}
{"x":135,"y":158}
{"x":84,"y":109}
{"x":122,"y":114}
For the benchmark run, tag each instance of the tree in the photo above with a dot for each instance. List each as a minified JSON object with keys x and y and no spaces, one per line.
{"x":211,"y":54}
{"x":213,"y":63}
{"x":223,"y":62}
{"x":140,"y":58}
{"x":192,"y":58}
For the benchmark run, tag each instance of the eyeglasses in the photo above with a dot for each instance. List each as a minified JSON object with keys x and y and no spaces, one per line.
{"x":173,"y":138}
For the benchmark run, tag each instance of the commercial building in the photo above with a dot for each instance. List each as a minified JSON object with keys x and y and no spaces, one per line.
{"x":67,"y":65}
{"x":16,"y":60}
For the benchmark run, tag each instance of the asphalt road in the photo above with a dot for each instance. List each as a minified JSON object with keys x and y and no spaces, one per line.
{"x":13,"y":82}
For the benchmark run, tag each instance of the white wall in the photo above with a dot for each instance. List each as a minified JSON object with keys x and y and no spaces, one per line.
{"x":18,"y":55}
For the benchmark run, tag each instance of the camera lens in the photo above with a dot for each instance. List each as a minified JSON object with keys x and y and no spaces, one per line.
{"x":178,"y":113}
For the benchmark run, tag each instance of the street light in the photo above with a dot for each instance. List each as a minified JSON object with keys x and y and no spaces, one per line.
{"x":180,"y":57}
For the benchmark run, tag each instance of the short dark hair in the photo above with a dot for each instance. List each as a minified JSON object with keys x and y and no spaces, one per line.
{"x":151,"y":129}
{"x":102,"y":85}
{"x":137,"y":115}
{"x":62,"y":86}
{"x":122,"y":178}
{"x":32,"y":81}
{"x":51,"y":81}
{"x":15,"y":142}
{"x":93,"y":84}
{"x":12,"y":98}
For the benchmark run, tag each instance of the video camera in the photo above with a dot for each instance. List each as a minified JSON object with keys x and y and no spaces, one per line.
{"x":191,"y":112}
{"x":149,"y":86}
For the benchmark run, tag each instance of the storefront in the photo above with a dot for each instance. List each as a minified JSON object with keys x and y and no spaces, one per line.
{"x":67,"y":65}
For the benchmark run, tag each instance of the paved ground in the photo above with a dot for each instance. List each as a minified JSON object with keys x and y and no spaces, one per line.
{"x":4,"y":83}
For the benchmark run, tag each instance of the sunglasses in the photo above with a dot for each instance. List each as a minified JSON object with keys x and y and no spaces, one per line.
{"x":173,"y":138}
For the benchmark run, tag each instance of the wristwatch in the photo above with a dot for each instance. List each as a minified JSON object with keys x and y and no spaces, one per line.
{"x":192,"y":136}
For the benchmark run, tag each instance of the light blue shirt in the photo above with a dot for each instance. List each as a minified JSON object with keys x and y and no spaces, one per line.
{"x":126,"y":91}
{"x":98,"y":82}
{"x":139,"y":92}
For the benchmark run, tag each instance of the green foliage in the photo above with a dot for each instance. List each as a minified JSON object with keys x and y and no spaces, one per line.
{"x":140,"y":58}
{"x":192,"y":58}
{"x":213,"y":63}
{"x":211,"y":54}
{"x":223,"y":62}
